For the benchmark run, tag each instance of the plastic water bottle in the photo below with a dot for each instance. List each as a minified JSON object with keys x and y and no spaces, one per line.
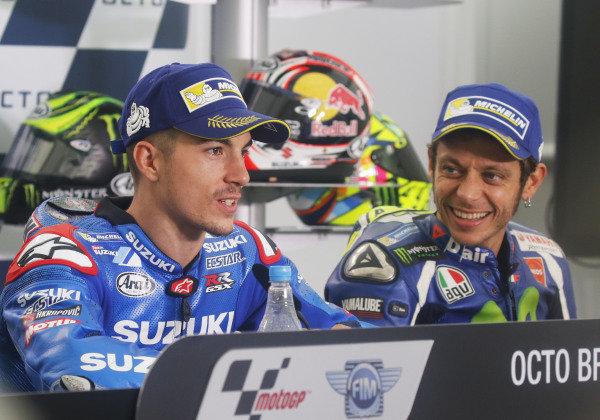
{"x":280,"y":314}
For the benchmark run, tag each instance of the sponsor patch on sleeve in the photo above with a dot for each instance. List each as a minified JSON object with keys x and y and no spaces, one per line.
{"x":52,"y":245}
{"x":537,"y":243}
{"x":364,"y":307}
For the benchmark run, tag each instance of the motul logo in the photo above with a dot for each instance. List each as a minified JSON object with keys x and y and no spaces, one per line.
{"x":40,"y":326}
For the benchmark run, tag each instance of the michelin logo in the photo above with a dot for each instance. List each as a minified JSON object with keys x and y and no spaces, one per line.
{"x":491,"y":108}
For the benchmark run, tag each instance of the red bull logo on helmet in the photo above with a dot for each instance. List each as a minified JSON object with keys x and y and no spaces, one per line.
{"x":344,"y":100}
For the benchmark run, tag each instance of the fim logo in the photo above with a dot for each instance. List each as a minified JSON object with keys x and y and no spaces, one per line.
{"x":265,"y":399}
{"x":363,"y":383}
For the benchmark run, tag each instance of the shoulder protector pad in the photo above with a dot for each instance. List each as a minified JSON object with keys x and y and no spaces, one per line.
{"x":267,"y":250}
{"x":52,"y":245}
{"x":71,"y":207}
{"x":370,"y":263}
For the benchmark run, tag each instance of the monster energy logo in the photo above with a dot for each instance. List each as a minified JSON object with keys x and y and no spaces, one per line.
{"x":32,"y":196}
{"x":417,"y":252}
{"x":7,"y":189}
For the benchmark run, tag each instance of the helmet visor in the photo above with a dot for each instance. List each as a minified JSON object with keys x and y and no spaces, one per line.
{"x":36,"y":155}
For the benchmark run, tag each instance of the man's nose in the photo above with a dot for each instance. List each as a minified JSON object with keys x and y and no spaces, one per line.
{"x":237,"y":172}
{"x":470,"y":187}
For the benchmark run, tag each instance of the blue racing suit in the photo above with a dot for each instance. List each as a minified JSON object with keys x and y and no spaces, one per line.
{"x":96,"y":298}
{"x":404,"y":268}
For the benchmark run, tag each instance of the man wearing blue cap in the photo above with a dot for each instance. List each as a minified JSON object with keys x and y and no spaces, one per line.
{"x":89,"y":303}
{"x":466,"y":262}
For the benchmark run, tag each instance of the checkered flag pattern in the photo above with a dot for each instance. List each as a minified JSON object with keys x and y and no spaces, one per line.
{"x":236,"y":378}
{"x":98,"y":45}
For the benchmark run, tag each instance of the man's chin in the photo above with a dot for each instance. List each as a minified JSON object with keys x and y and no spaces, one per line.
{"x":222,"y":230}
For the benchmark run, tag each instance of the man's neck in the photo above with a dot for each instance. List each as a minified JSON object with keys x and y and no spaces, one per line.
{"x":173,"y":240}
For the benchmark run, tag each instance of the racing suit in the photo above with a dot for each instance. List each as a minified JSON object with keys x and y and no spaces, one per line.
{"x":96,"y":298}
{"x":404,"y":268}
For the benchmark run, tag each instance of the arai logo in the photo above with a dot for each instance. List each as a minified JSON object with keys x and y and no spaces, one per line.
{"x":135,"y":284}
{"x":81,"y":144}
{"x":122,"y":184}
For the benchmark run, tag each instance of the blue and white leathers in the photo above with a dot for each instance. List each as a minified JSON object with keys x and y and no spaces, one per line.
{"x":96,"y":298}
{"x":404,"y":268}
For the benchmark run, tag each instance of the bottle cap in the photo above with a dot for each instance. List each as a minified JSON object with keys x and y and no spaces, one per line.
{"x":280,"y":273}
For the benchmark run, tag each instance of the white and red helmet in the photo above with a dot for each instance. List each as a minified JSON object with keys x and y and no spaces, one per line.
{"x":327,"y":105}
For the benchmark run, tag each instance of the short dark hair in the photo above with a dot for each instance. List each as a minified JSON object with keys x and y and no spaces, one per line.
{"x":163,"y":140}
{"x":527,"y":165}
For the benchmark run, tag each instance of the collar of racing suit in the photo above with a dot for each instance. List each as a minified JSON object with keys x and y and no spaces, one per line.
{"x":506,"y":261}
{"x":113,"y":209}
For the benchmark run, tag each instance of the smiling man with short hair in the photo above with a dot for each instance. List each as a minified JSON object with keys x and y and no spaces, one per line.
{"x":96,"y":292}
{"x":466,"y":262}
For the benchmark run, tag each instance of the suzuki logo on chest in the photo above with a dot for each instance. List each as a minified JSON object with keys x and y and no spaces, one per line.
{"x":147,"y":254}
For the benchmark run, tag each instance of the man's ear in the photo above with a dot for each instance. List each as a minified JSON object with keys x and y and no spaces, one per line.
{"x":534,"y":181}
{"x":147,"y":159}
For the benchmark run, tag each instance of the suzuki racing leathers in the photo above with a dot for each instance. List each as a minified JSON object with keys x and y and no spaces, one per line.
{"x":404,"y":268}
{"x":96,"y":298}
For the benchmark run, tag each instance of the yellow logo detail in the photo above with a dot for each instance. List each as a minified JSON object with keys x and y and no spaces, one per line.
{"x":508,"y":140}
{"x":220,"y":121}
{"x":198,"y":95}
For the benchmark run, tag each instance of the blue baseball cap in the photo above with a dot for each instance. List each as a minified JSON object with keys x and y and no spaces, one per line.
{"x":508,"y":116}
{"x":199,"y":99}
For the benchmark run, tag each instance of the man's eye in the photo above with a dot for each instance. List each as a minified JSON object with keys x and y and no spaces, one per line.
{"x":449,"y":169}
{"x":216,"y":151}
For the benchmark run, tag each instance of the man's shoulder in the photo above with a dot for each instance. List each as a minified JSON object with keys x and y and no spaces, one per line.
{"x":388,"y":222}
{"x":59,"y":210}
{"x":55,"y":245}
{"x":531,"y":240}
{"x":246,"y":240}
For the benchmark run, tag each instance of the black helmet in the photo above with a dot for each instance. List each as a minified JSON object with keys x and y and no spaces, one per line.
{"x":63,"y":148}
{"x":327,"y":105}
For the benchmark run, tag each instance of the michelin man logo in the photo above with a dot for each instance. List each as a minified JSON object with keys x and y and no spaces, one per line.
{"x":138,"y":118}
{"x":209,"y":91}
{"x":363,"y":383}
{"x":208,"y":95}
{"x":458,"y":107}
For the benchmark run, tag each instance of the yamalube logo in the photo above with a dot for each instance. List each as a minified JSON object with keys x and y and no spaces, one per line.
{"x":135,"y":284}
{"x":363,"y":383}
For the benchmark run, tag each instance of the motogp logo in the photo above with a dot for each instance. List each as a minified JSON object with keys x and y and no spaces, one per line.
{"x":218,"y":282}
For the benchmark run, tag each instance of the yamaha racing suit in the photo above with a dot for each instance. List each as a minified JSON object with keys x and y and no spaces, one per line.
{"x":404,"y":268}
{"x":95,"y":298}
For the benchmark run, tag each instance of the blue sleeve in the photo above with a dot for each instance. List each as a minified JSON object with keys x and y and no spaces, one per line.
{"x":55,"y":318}
{"x":318,"y":313}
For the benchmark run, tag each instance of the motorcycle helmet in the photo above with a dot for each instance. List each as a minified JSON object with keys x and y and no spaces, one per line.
{"x":63,"y":148}
{"x":327,"y":105}
{"x":388,"y":160}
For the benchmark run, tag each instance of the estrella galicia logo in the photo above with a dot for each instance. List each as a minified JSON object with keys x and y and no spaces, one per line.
{"x":363,"y":383}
